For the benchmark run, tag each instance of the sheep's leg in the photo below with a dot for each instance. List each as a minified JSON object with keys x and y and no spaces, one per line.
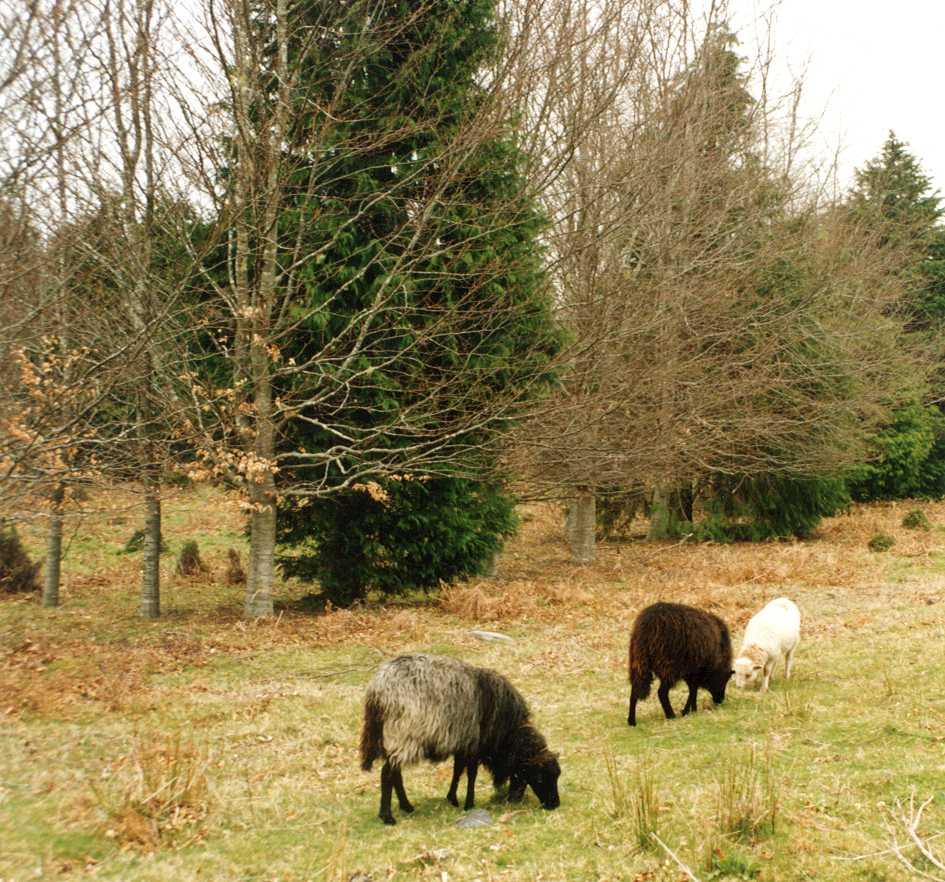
{"x":788,"y":660}
{"x":516,"y":788}
{"x":387,"y":787}
{"x":632,"y":712}
{"x":692,"y":702}
{"x":472,"y":768}
{"x":459,"y":763}
{"x":663,"y":695}
{"x":405,"y":805}
{"x":769,"y":667}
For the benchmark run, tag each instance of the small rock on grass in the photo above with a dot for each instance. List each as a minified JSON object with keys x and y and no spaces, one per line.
{"x":492,"y":635}
{"x":475,"y":818}
{"x":434,"y":856}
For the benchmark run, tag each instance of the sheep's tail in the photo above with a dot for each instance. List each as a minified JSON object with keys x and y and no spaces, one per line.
{"x":372,"y":733}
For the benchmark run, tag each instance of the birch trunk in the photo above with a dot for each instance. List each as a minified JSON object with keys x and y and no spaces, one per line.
{"x":262,"y":553}
{"x":262,"y":494}
{"x":151,"y":565}
{"x":570,"y":521}
{"x":53,"y":551}
{"x":583,"y":542}
{"x":262,"y":488}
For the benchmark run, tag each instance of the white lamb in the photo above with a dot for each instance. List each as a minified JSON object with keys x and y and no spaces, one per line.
{"x":771,"y":633}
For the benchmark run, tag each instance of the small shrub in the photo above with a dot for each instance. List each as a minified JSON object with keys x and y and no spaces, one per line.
{"x":903,"y":463}
{"x":18,"y":573}
{"x":747,"y":798}
{"x":916,"y":520}
{"x":639,"y":802}
{"x":733,"y":865}
{"x":235,"y":574}
{"x":618,"y":789}
{"x":189,"y":562}
{"x":136,"y":543}
{"x":646,"y":806}
{"x":160,"y":789}
{"x":395,"y":537}
{"x":616,"y":511}
{"x":715,"y":528}
{"x":881,"y":542}
{"x":739,"y":509}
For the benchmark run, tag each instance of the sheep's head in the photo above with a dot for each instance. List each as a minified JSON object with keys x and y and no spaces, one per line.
{"x":535,"y":767}
{"x":717,"y":682}
{"x":749,"y":668}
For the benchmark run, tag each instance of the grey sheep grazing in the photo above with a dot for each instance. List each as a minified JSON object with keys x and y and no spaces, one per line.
{"x":428,"y":707}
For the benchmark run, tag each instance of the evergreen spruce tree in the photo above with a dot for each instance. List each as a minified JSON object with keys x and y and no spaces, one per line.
{"x":894,"y":197}
{"x":397,"y":535}
{"x":425,"y":295}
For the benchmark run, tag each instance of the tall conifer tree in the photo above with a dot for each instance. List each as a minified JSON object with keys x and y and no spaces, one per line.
{"x":417,"y":319}
{"x":894,"y":198}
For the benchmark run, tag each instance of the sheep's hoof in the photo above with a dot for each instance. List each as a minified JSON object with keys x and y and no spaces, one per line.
{"x":406,"y":807}
{"x":388,"y":819}
{"x":452,"y":800}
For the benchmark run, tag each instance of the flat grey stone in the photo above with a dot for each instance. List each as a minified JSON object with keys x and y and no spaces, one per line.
{"x":492,"y":635}
{"x":475,"y":818}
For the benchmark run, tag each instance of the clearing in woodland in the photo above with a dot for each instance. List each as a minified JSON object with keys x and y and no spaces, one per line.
{"x":204,"y":747}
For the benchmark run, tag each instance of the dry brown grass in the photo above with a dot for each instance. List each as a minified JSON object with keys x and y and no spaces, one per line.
{"x":155,"y":793}
{"x":105,"y":661}
{"x":279,"y":701}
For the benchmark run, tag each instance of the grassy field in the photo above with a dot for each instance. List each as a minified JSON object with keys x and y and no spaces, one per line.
{"x":201,"y":747}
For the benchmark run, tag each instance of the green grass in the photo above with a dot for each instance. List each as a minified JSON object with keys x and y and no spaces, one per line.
{"x":777,"y":787}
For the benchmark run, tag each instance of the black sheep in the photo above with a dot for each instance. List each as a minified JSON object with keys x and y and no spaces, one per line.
{"x":676,"y":642}
{"x":428,"y":707}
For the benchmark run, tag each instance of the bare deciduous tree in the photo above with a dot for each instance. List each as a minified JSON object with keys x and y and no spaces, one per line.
{"x":709,"y":289}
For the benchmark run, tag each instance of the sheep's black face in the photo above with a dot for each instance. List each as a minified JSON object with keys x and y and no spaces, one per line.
{"x":717,"y":684}
{"x":542,"y":777}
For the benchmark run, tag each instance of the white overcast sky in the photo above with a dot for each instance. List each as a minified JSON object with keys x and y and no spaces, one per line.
{"x":871,"y":66}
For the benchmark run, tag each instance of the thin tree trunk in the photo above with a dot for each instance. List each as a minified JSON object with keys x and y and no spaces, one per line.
{"x":262,"y":544}
{"x":686,"y":502}
{"x":671,"y":513}
{"x":262,"y":495}
{"x":583,"y":540}
{"x":659,"y":516}
{"x":262,"y":553}
{"x":53,"y":550}
{"x":570,"y":520}
{"x":53,"y":564}
{"x":151,"y":566}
